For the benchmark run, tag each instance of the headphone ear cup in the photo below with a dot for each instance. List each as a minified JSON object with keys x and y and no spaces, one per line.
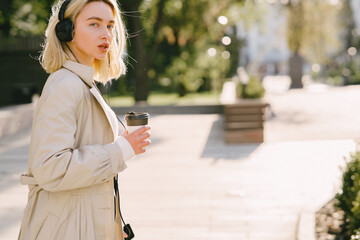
{"x":64,"y":30}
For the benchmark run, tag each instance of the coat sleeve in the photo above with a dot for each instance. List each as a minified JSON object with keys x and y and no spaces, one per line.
{"x":54,"y":161}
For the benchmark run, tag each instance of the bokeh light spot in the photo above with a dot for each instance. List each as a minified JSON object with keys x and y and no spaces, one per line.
{"x":226,"y":40}
{"x":211,"y":52}
{"x":223,"y":20}
{"x":352,"y":51}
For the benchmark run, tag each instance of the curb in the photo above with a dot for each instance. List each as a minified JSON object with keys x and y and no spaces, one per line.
{"x":306,"y":226}
{"x":172,"y":109}
{"x":16,"y":118}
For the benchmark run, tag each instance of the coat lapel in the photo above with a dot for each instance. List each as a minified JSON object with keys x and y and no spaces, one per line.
{"x":110,"y":115}
{"x":86,"y":74}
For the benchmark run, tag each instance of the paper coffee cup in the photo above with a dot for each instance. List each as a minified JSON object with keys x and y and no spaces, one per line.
{"x":135,"y":120}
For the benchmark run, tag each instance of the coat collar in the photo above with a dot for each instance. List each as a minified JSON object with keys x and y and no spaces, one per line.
{"x":86,"y":73}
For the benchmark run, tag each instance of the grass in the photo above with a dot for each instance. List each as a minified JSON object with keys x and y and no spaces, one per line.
{"x":163,"y":99}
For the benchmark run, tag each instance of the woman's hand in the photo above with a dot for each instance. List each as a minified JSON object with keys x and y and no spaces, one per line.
{"x":138,"y":139}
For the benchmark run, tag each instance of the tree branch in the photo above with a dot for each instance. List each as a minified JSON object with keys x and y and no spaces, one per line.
{"x":151,"y":54}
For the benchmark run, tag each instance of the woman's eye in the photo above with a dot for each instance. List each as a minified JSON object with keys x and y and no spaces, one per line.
{"x":94,"y":24}
{"x":110,"y":26}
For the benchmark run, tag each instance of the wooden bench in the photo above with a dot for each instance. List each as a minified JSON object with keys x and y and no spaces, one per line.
{"x":244,"y":121}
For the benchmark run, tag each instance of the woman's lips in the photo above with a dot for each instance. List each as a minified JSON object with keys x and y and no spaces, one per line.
{"x":103,"y":47}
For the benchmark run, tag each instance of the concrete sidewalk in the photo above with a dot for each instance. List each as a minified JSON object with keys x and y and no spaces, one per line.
{"x":13,"y":196}
{"x":190,"y":185}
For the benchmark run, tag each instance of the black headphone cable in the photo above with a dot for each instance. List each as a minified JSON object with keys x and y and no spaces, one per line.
{"x":127,"y":228}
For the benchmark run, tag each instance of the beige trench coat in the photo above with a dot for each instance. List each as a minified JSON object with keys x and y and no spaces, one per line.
{"x":72,"y":161}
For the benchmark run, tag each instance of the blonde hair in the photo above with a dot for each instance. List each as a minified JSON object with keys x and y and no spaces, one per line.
{"x":55,"y":53}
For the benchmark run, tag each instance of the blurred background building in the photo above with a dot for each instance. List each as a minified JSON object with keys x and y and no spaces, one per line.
{"x":265,"y":49}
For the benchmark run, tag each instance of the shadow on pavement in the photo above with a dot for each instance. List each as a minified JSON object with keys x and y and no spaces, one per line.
{"x":216,"y":148}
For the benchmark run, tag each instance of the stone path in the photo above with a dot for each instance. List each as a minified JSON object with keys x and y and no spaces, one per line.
{"x":190,"y":185}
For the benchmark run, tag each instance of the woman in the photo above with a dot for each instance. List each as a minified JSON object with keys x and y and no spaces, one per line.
{"x":75,"y":148}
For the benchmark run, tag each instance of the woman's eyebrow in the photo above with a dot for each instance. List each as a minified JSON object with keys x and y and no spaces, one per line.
{"x":99,"y":19}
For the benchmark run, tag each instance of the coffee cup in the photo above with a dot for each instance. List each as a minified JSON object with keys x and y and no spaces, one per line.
{"x":135,"y":120}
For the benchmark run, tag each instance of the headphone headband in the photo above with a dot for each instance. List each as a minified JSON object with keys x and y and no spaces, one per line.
{"x":62,"y":10}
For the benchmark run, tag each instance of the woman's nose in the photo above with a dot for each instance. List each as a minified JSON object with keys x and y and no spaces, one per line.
{"x":105,"y":32}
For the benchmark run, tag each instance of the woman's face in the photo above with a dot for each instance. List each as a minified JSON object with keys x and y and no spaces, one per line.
{"x":93,"y":32}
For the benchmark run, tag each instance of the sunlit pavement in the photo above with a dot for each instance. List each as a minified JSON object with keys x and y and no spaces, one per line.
{"x":191,"y":185}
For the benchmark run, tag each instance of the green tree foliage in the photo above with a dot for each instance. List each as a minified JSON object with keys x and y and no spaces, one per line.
{"x":345,"y":67}
{"x":296,"y":25}
{"x":312,"y":34}
{"x":6,"y":11}
{"x":253,"y":89}
{"x":349,"y":33}
{"x":169,"y":40}
{"x":23,"y":18}
{"x":313,"y":28}
{"x":348,"y":200}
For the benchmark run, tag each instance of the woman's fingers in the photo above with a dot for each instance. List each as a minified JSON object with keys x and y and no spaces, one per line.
{"x":139,"y":139}
{"x":142,"y":145}
{"x":145,"y":143}
{"x":142,"y":130}
{"x":144,"y":136}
